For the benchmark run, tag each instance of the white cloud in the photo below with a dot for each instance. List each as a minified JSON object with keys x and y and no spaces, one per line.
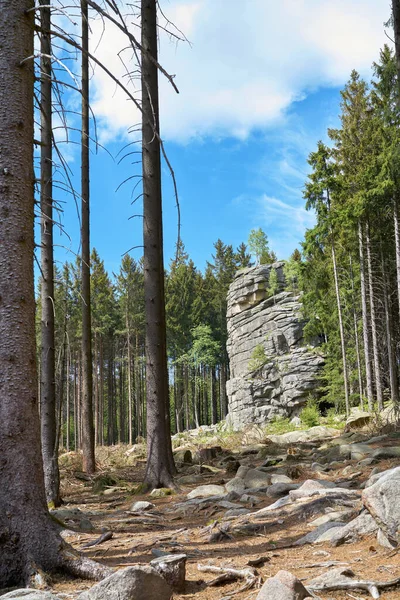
{"x":248,"y":61}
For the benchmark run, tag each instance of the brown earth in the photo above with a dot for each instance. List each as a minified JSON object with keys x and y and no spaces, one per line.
{"x":166,"y":529}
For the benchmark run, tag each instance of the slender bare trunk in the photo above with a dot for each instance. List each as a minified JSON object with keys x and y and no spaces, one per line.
{"x":365,"y":318}
{"x":394,"y":388}
{"x":375,"y":350}
{"x":356,"y":337}
{"x":397,"y":247}
{"x":341,"y":327}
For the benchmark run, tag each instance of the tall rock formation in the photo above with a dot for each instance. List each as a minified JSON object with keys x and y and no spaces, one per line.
{"x":272,"y":370}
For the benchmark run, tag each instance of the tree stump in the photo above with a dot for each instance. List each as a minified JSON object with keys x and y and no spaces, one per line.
{"x":173,"y":568}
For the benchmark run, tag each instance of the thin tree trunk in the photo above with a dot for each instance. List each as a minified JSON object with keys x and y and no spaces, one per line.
{"x":397,"y":247}
{"x":365,"y":317}
{"x":214,"y":410}
{"x":223,"y":398}
{"x":68,"y":415}
{"x":394,"y":388}
{"x":356,"y":337}
{"x":89,"y":464}
{"x":48,"y":388}
{"x":159,"y":468}
{"x":341,"y":327}
{"x":375,"y":350}
{"x":130,"y":416}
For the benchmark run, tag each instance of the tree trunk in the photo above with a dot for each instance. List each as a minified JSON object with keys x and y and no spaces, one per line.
{"x":356,"y":338}
{"x":48,"y":411}
{"x":89,"y":464}
{"x":365,"y":317}
{"x":222,"y":387}
{"x":375,"y":350}
{"x":397,"y":247}
{"x":394,"y":388}
{"x":28,"y":536}
{"x":214,"y":410}
{"x":341,"y":327}
{"x":159,"y":450}
{"x":130,"y":416}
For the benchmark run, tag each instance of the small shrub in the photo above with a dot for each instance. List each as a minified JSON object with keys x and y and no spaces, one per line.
{"x":258,"y":358}
{"x":280,"y":425}
{"x":310,"y":415}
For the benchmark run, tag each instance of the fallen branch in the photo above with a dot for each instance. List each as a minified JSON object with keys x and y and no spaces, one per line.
{"x":228,"y":574}
{"x":344,"y":581}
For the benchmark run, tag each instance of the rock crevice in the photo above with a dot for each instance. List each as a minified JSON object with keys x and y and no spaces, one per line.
{"x":273,"y":371}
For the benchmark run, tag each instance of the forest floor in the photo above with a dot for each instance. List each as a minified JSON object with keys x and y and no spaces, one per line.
{"x":171,"y":529}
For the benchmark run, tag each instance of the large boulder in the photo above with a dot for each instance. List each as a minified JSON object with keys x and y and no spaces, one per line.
{"x":279,"y":383}
{"x":382,"y":501}
{"x":132,"y":583}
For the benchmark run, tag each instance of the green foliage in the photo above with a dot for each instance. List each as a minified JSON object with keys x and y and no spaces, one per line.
{"x":279,"y":425}
{"x":258,"y":358}
{"x":310,"y":415}
{"x":258,"y":246}
{"x":273,"y":282}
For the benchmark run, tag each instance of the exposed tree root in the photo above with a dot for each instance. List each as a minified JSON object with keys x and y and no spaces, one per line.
{"x":80,"y":566}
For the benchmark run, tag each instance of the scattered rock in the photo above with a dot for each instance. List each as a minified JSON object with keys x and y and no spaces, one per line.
{"x":310,"y":487}
{"x":73,"y":517}
{"x":279,"y":478}
{"x":387,"y":452}
{"x":362,"y":525}
{"x":161,"y":492}
{"x":283,"y":586}
{"x":336,"y":515}
{"x":172,"y":568}
{"x":183,"y":456}
{"x":279,"y":489}
{"x":255,"y":478}
{"x":141,"y":506}
{"x":204,"y":491}
{"x":383,"y":541}
{"x":132,"y":583}
{"x":357,"y":419}
{"x":250,"y":499}
{"x":317,"y":535}
{"x":236,"y":485}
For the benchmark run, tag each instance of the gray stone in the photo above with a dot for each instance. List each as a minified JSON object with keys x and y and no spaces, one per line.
{"x":280,"y":386}
{"x":236,"y":485}
{"x":28,"y":594}
{"x":255,"y":478}
{"x":358,"y":418}
{"x":242,"y":470}
{"x":340,"y":575}
{"x":279,"y":489}
{"x":336,"y":515}
{"x":387,"y":452}
{"x":132,"y":583}
{"x":382,"y":501}
{"x":383,"y":541}
{"x":205,"y":491}
{"x":279,"y":478}
{"x":310,"y":487}
{"x":283,"y":586}
{"x":362,"y":525}
{"x":314,"y":536}
{"x":141,"y":506}
{"x":250,"y":499}
{"x":172,"y":568}
{"x":161,"y":492}
{"x":73,"y":517}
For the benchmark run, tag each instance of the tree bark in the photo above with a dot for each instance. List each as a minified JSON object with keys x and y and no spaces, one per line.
{"x":28,"y":537}
{"x":341,"y":327}
{"x":394,"y":387}
{"x":365,"y":316}
{"x":375,"y":350}
{"x":356,"y":338}
{"x":159,"y":449}
{"x":48,"y":416}
{"x":89,"y":464}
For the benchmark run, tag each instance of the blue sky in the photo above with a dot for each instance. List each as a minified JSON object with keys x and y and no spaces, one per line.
{"x":259,"y":85}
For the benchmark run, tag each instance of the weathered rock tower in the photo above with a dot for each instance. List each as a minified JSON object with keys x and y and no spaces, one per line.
{"x":272,"y":369}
